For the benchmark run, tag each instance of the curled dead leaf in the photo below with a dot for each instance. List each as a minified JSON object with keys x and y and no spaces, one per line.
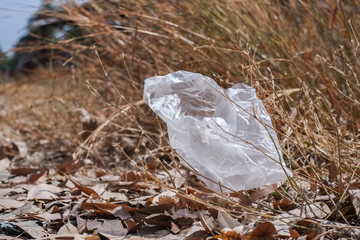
{"x":33,"y":177}
{"x":85,"y":189}
{"x":158,"y":220}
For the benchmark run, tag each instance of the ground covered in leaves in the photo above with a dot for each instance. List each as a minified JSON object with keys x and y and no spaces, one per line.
{"x":49,"y":192}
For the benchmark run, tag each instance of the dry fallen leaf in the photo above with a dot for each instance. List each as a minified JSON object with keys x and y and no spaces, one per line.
{"x":228,"y":234}
{"x":68,"y":230}
{"x":23,"y":171}
{"x":227,"y":221}
{"x":70,"y":166}
{"x":131,"y":225}
{"x":284,"y":205}
{"x":167,"y":197}
{"x":31,"y":228}
{"x":33,"y":177}
{"x":114,"y":196}
{"x":174,"y":228}
{"x":264,"y":231}
{"x":85,"y":189}
{"x":294,"y":233}
{"x":44,"y":192}
{"x":158,"y":219}
{"x":91,"y":225}
{"x":113,"y":229}
{"x":121,"y":212}
{"x":9,"y":203}
{"x":49,"y":216}
{"x":22,"y":148}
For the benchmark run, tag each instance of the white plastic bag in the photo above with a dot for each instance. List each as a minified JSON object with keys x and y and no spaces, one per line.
{"x":226,"y":136}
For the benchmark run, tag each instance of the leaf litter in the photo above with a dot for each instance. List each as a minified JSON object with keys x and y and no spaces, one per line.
{"x":107,"y":207}
{"x":72,"y":199}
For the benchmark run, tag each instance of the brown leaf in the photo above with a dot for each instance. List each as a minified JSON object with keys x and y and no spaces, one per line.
{"x":14,"y":148}
{"x":155,"y":209}
{"x":85,"y":189}
{"x":184,"y":201}
{"x":23,"y":171}
{"x":70,"y":166}
{"x":284,"y":204}
{"x":305,"y":226}
{"x":132,"y":176}
{"x":100,"y":173}
{"x":228,"y":234}
{"x":264,"y":231}
{"x":131,"y":225}
{"x":184,"y":222}
{"x":33,"y":177}
{"x":312,"y":235}
{"x":158,"y":220}
{"x":294,"y":233}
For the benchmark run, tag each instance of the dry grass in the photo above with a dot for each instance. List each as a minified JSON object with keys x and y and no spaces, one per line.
{"x":302,"y":57}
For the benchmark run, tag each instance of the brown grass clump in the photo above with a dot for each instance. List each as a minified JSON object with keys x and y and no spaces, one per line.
{"x":301,"y":56}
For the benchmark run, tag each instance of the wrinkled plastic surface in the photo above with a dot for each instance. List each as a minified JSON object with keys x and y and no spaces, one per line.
{"x":216,"y":132}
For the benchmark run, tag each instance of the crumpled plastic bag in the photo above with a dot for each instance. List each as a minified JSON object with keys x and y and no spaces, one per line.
{"x":226,"y":136}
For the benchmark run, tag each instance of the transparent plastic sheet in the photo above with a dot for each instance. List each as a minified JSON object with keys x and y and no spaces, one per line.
{"x":226,"y":136}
